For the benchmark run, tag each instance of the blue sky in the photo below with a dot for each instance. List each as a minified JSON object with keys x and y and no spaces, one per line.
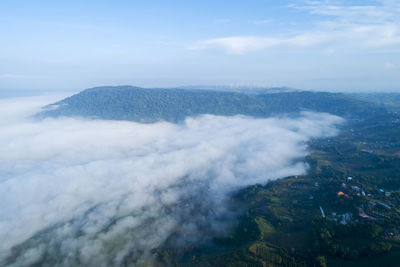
{"x":320,"y":45}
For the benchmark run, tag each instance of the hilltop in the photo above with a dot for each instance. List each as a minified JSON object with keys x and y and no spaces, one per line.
{"x":173,"y":105}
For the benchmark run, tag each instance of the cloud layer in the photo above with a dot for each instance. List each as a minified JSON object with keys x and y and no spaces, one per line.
{"x":101,"y":193}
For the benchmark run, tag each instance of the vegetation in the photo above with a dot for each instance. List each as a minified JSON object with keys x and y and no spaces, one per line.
{"x":388,"y":100}
{"x":149,"y":105}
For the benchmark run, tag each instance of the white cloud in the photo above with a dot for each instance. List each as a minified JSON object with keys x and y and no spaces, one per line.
{"x":99,"y":191}
{"x":389,"y":66}
{"x":381,"y":11}
{"x":371,"y":27}
{"x":265,"y":21}
{"x":244,"y":44}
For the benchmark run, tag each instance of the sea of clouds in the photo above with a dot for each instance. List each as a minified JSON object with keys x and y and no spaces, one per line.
{"x":100,"y":193}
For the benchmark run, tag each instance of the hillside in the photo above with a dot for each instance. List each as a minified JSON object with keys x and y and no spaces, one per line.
{"x":149,"y":105}
{"x":390,"y":101}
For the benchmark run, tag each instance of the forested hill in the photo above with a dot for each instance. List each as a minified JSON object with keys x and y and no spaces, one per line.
{"x":149,"y":105}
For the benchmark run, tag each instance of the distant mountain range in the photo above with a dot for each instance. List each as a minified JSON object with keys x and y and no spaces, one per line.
{"x":174,"y":105}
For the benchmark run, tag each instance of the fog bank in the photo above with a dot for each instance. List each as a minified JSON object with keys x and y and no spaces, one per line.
{"x":101,"y":193}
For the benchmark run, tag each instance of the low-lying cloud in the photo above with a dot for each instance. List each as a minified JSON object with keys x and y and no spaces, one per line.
{"x":101,"y":193}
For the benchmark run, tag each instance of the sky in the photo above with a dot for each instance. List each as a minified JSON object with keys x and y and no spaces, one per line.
{"x":332,"y":45}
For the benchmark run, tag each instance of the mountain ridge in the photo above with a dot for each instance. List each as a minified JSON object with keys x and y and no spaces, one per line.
{"x":175,"y":104}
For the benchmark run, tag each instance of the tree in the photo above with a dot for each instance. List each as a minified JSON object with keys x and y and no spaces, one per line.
{"x":321,"y":261}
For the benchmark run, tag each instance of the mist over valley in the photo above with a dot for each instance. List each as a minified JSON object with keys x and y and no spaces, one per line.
{"x":199,"y":133}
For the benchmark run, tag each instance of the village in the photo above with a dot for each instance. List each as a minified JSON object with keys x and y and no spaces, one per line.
{"x":361,"y":205}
